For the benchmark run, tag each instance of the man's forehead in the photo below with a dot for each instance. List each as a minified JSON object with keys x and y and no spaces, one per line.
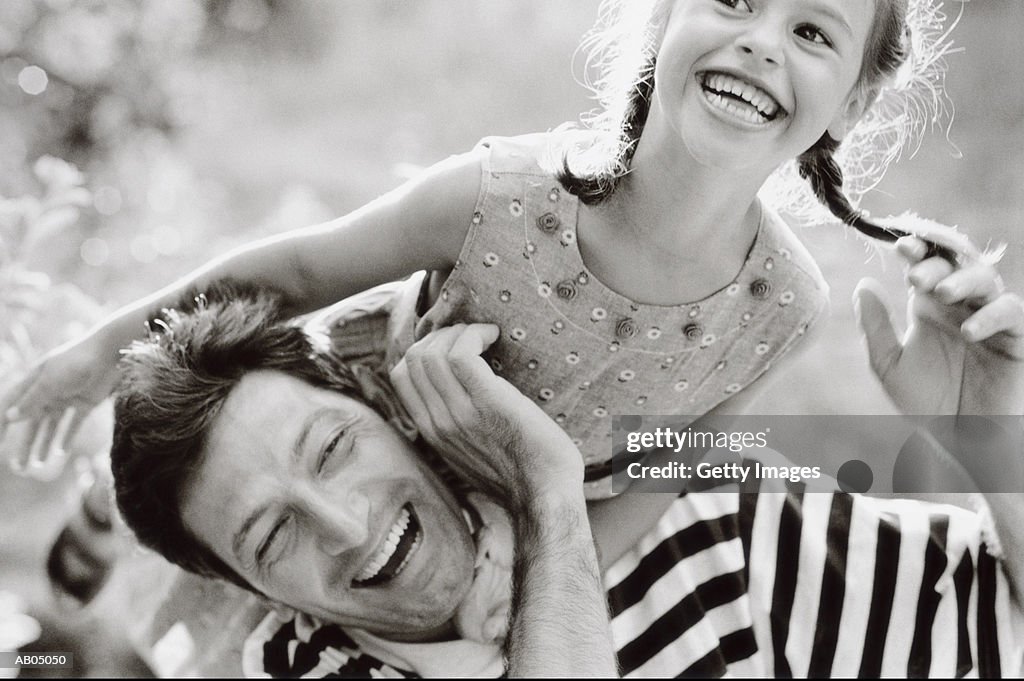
{"x":246,"y":437}
{"x":266,"y":407}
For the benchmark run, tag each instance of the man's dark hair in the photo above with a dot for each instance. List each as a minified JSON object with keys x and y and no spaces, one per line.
{"x":172,"y":388}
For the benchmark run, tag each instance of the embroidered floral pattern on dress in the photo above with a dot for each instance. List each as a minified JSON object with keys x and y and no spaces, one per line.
{"x":585,"y":352}
{"x":548,"y":222}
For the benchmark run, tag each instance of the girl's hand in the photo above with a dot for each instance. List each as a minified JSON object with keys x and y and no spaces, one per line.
{"x":41,"y":413}
{"x":488,"y":431}
{"x":963,"y":351}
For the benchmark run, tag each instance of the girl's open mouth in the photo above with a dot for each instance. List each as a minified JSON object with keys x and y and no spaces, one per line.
{"x":739,"y":98}
{"x":394,"y":552}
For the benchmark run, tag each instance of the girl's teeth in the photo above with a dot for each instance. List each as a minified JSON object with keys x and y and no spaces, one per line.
{"x":744,"y":113}
{"x":757,"y":98}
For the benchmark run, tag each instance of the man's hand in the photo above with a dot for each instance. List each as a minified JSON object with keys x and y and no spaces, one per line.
{"x":963,"y":351}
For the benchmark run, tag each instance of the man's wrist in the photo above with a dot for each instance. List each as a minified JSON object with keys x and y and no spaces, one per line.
{"x":548,"y":502}
{"x":559,"y":623}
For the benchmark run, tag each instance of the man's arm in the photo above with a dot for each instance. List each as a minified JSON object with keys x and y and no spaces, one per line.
{"x":502,"y":442}
{"x":559,"y":618}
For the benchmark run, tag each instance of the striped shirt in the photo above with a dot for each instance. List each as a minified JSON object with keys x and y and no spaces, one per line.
{"x":776,"y":584}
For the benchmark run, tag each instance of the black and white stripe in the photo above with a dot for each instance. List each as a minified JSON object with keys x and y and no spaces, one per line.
{"x":788,"y":585}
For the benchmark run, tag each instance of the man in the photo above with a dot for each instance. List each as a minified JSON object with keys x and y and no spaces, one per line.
{"x":236,"y":456}
{"x":241,"y":453}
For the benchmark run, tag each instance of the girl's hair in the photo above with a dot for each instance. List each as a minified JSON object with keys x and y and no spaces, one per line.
{"x":623,"y":50}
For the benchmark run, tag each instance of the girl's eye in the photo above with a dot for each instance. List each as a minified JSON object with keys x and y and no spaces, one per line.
{"x":743,"y":5}
{"x":813,"y":34}
{"x":328,"y":451}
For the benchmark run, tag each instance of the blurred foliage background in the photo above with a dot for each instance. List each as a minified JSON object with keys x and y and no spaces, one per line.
{"x":141,"y":137}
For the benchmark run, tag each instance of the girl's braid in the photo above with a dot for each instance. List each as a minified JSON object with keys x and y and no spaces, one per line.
{"x":818,"y":166}
{"x":636,"y":115}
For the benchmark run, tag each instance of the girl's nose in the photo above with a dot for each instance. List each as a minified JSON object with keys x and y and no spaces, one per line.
{"x":764,"y":40}
{"x":340,"y":523}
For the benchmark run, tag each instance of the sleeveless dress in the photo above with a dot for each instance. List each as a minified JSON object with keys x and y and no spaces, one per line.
{"x":582,"y":351}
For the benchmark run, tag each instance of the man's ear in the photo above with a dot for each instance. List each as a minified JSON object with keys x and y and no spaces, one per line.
{"x":857,"y":104}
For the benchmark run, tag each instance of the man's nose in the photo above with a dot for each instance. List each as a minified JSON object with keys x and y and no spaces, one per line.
{"x":764,"y":40}
{"x":340,"y":523}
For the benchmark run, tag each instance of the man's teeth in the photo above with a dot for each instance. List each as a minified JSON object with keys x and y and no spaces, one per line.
{"x":387,"y":549}
{"x":740,"y":98}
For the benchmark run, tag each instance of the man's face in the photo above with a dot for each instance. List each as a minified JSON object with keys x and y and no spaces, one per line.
{"x":321,"y":505}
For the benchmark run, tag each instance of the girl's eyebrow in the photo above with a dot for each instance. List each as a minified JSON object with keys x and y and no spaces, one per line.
{"x":833,"y":14}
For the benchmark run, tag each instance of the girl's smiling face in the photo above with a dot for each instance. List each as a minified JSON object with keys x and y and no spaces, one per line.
{"x":754,"y":83}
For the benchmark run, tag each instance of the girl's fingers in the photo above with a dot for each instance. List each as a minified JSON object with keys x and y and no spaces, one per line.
{"x":428,"y":379}
{"x":64,"y":433}
{"x":925,"y":275}
{"x":414,"y":404}
{"x":36,"y":398}
{"x":1005,"y":315}
{"x":913,"y":249}
{"x":11,"y":400}
{"x":451,"y":394}
{"x":40,"y":447}
{"x":979,"y":283}
{"x":434,"y":404}
{"x":18,"y":444}
{"x":466,"y":363}
{"x":6,"y":421}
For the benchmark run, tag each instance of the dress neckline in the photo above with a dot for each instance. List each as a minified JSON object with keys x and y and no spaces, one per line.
{"x":612,"y":294}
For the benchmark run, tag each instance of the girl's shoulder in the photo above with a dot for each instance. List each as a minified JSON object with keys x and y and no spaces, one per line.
{"x":777,"y":236}
{"x":538,"y":154}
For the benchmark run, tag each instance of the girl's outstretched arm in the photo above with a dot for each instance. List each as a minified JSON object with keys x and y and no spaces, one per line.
{"x":420,"y":225}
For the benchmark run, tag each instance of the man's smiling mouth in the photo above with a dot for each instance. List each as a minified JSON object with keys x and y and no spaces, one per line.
{"x":739,"y":98}
{"x":394,"y":552}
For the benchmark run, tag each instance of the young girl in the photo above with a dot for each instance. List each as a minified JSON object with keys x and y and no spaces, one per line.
{"x":631,"y":266}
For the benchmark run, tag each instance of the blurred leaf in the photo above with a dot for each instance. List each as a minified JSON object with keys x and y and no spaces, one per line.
{"x":22,"y":208}
{"x":57,"y":172}
{"x":70,"y":196}
{"x":49,"y":223}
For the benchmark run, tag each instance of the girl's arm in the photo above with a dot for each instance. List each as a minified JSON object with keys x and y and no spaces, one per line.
{"x":420,"y":225}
